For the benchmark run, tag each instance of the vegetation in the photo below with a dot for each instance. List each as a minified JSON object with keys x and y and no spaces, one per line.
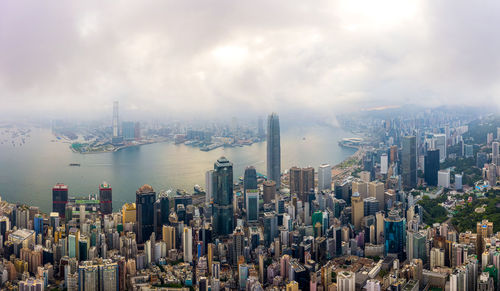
{"x":465,"y":166}
{"x":433,"y":212}
{"x":478,"y":129}
{"x":466,"y":217}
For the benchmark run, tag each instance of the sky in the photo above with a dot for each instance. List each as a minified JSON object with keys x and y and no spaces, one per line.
{"x":242,"y":58}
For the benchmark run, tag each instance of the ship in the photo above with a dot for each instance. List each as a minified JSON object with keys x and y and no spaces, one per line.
{"x":74,"y":165}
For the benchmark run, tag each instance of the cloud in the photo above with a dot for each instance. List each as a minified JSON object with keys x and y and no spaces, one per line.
{"x":171,"y":58}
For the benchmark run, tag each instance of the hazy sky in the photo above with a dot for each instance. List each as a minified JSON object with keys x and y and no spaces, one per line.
{"x":167,"y":58}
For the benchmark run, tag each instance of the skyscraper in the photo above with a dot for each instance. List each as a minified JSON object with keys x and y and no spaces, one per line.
{"x":209,"y":185}
{"x":249,"y":181}
{"x":409,"y":162}
{"x":273,"y":149}
{"x":495,"y":156}
{"x":324,"y":177}
{"x":106,"y":198}
{"x":223,"y":218}
{"x":145,"y":198}
{"x":252,"y":204}
{"x":59,"y":199}
{"x":394,"y":233}
{"x":115,"y":119}
{"x":431,"y":167}
{"x":301,"y":182}
{"x":439,"y":142}
{"x":187,"y":244}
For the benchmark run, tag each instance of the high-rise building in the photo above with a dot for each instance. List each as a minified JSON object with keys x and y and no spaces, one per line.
{"x":324,"y":177}
{"x":249,"y":181}
{"x":116,"y":131}
{"x":370,"y":206}
{"x":495,"y":156}
{"x":269,"y":191}
{"x":128,"y":130}
{"x":357,"y":210}
{"x":103,"y":276}
{"x":458,"y":182}
{"x":252,"y":204}
{"x":436,"y":258}
{"x":59,"y":199}
{"x":384,"y":164}
{"x":376,"y":189}
{"x":431,"y":167}
{"x":270,"y":227}
{"x":187,"y":244}
{"x":106,"y":198}
{"x":301,"y":182}
{"x":223,"y":218}
{"x":145,"y":198}
{"x":439,"y":142}
{"x":409,"y":162}
{"x":209,"y":185}
{"x":168,"y":234}
{"x":346,"y":281}
{"x":273,"y":149}
{"x":395,"y":234}
{"x":444,"y":178}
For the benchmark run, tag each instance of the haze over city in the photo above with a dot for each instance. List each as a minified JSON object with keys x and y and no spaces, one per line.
{"x":171,"y":58}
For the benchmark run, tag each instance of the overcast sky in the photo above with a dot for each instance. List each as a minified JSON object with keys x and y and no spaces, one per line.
{"x":167,"y":58}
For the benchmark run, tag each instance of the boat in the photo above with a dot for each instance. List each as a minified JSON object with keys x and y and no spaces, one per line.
{"x":74,"y":165}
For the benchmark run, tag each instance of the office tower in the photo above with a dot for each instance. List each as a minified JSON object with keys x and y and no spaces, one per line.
{"x":128,"y":130}
{"x":164,"y":205}
{"x":115,"y":119}
{"x":223,"y":218}
{"x":370,"y":206}
{"x":486,"y":282}
{"x":492,"y":174}
{"x":38,"y":224}
{"x":273,"y":149}
{"x":372,"y":285}
{"x":484,"y":229}
{"x":270,"y":227}
{"x":431,"y":167}
{"x":415,"y":246}
{"x":129,"y":213}
{"x":393,"y":154}
{"x":379,"y":217}
{"x":394,"y":233}
{"x":357,"y":210}
{"x":252,"y":204}
{"x":106,"y":198}
{"x":301,"y":182}
{"x":376,"y":189}
{"x":444,"y":178}
{"x":324,"y":177}
{"x":360,"y":187}
{"x":249,"y":181}
{"x":439,"y":142}
{"x":346,"y":281}
{"x":168,"y":235}
{"x":145,"y":198}
{"x":260,"y":128}
{"x":458,"y":182}
{"x":495,"y":156}
{"x":269,"y":191}
{"x":187,"y":244}
{"x":59,"y":199}
{"x":384,"y":164}
{"x":292,"y":286}
{"x":209,"y":185}
{"x":409,"y":162}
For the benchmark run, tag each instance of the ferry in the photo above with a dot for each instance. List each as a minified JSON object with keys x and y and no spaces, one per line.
{"x":74,"y":165}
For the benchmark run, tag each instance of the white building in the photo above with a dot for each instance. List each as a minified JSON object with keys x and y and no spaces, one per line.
{"x":458,"y":182}
{"x":444,"y":178}
{"x":187,"y":244}
{"x":384,"y":164}
{"x":346,"y":281}
{"x":209,"y":178}
{"x":439,"y":142}
{"x":495,"y":158}
{"x":325,"y":177}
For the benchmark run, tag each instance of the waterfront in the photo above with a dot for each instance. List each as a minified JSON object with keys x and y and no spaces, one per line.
{"x":27,"y":173}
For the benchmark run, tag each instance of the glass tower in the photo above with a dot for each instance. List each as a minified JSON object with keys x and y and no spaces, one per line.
{"x":273,"y":149}
{"x":145,"y":199}
{"x":395,"y":234}
{"x":223,"y":219}
{"x":431,"y":167}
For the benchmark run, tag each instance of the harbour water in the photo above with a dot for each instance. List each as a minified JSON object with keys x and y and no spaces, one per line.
{"x":28,"y":172}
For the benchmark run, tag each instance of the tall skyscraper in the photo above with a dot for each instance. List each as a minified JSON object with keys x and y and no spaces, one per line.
{"x":209,"y":185}
{"x":384,"y":164}
{"x":394,"y":234}
{"x":273,"y":149}
{"x":145,"y":198}
{"x":269,"y":189}
{"x":324,"y":177}
{"x":223,"y":218}
{"x":409,"y":162}
{"x":249,"y":181}
{"x":431,"y":167}
{"x":106,"y":198}
{"x":59,"y":199}
{"x":187,"y":244}
{"x":252,"y":204}
{"x":116,"y":131}
{"x":357,"y":210}
{"x":301,"y":182}
{"x":346,"y":281}
{"x":439,"y":142}
{"x":495,"y":156}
